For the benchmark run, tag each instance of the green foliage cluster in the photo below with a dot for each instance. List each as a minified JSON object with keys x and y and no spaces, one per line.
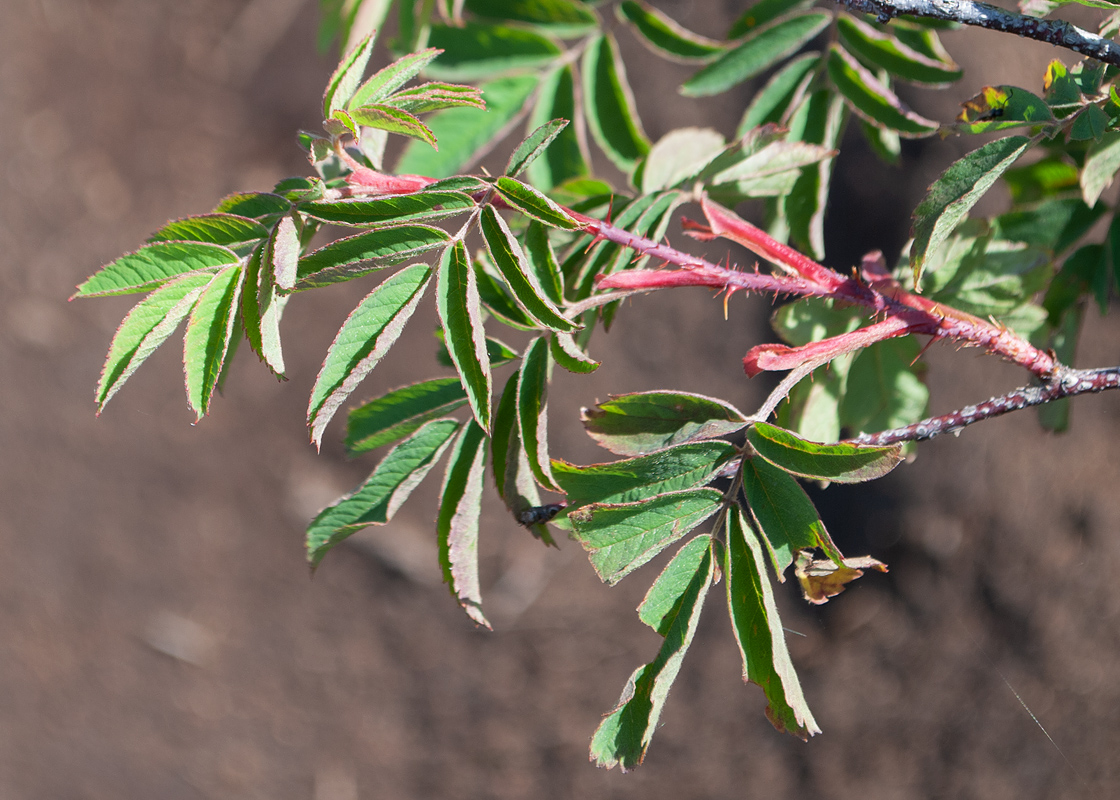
{"x":552,"y":69}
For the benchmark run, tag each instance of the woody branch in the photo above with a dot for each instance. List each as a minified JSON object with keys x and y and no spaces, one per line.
{"x":967,"y":12}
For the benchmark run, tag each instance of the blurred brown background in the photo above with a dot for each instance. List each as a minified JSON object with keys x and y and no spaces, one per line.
{"x":159,"y":636}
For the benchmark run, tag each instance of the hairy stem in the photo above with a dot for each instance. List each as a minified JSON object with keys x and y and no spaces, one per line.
{"x":967,"y":12}
{"x":1067,"y":382}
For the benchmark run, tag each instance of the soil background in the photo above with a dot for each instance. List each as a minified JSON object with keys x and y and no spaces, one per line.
{"x":159,"y":635}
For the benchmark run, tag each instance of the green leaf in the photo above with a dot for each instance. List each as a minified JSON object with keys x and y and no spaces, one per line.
{"x":763,"y":11}
{"x":785,"y":87}
{"x":255,"y":205}
{"x":262,"y":306}
{"x":770,"y":171}
{"x":235,"y":232}
{"x":884,"y":141}
{"x":496,"y":299}
{"x":760,"y":49}
{"x":566,"y":158}
{"x":477,"y":50}
{"x":673,"y":469}
{"x":612,"y":115}
{"x":533,"y":145}
{"x":667,"y":37}
{"x":457,"y":303}
{"x":619,"y":538}
{"x":145,"y":328}
{"x":300,"y":190}
{"x":457,"y":525}
{"x":542,"y":262}
{"x":784,"y":513}
{"x":819,"y":120}
{"x":840,"y":463}
{"x":1090,"y":124}
{"x":355,"y":256}
{"x":624,"y":735}
{"x":885,"y":389}
{"x":813,"y":408}
{"x":678,"y":156}
{"x":568,"y":354}
{"x":986,"y":276}
{"x":388,"y":79}
{"x":418,"y":206}
{"x":635,"y":424}
{"x":346,"y":78}
{"x":154,"y":265}
{"x":435,"y":96}
{"x":532,"y":410}
{"x":954,"y":194}
{"x":466,"y":134}
{"x":562,"y":18}
{"x":498,"y":351}
{"x":398,"y":413}
{"x":884,"y":49}
{"x":364,"y":338}
{"x":996,"y":108}
{"x":207,"y":337}
{"x":532,"y":203}
{"x":1061,"y":89}
{"x":384,"y":491}
{"x":1101,"y":163}
{"x":659,"y":606}
{"x":394,"y":120}
{"x":512,"y":473}
{"x":1053,"y":225}
{"x":283,"y":253}
{"x":872,"y":99}
{"x":1087,"y":270}
{"x":759,"y":633}
{"x":1042,"y":179}
{"x":511,"y":262}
